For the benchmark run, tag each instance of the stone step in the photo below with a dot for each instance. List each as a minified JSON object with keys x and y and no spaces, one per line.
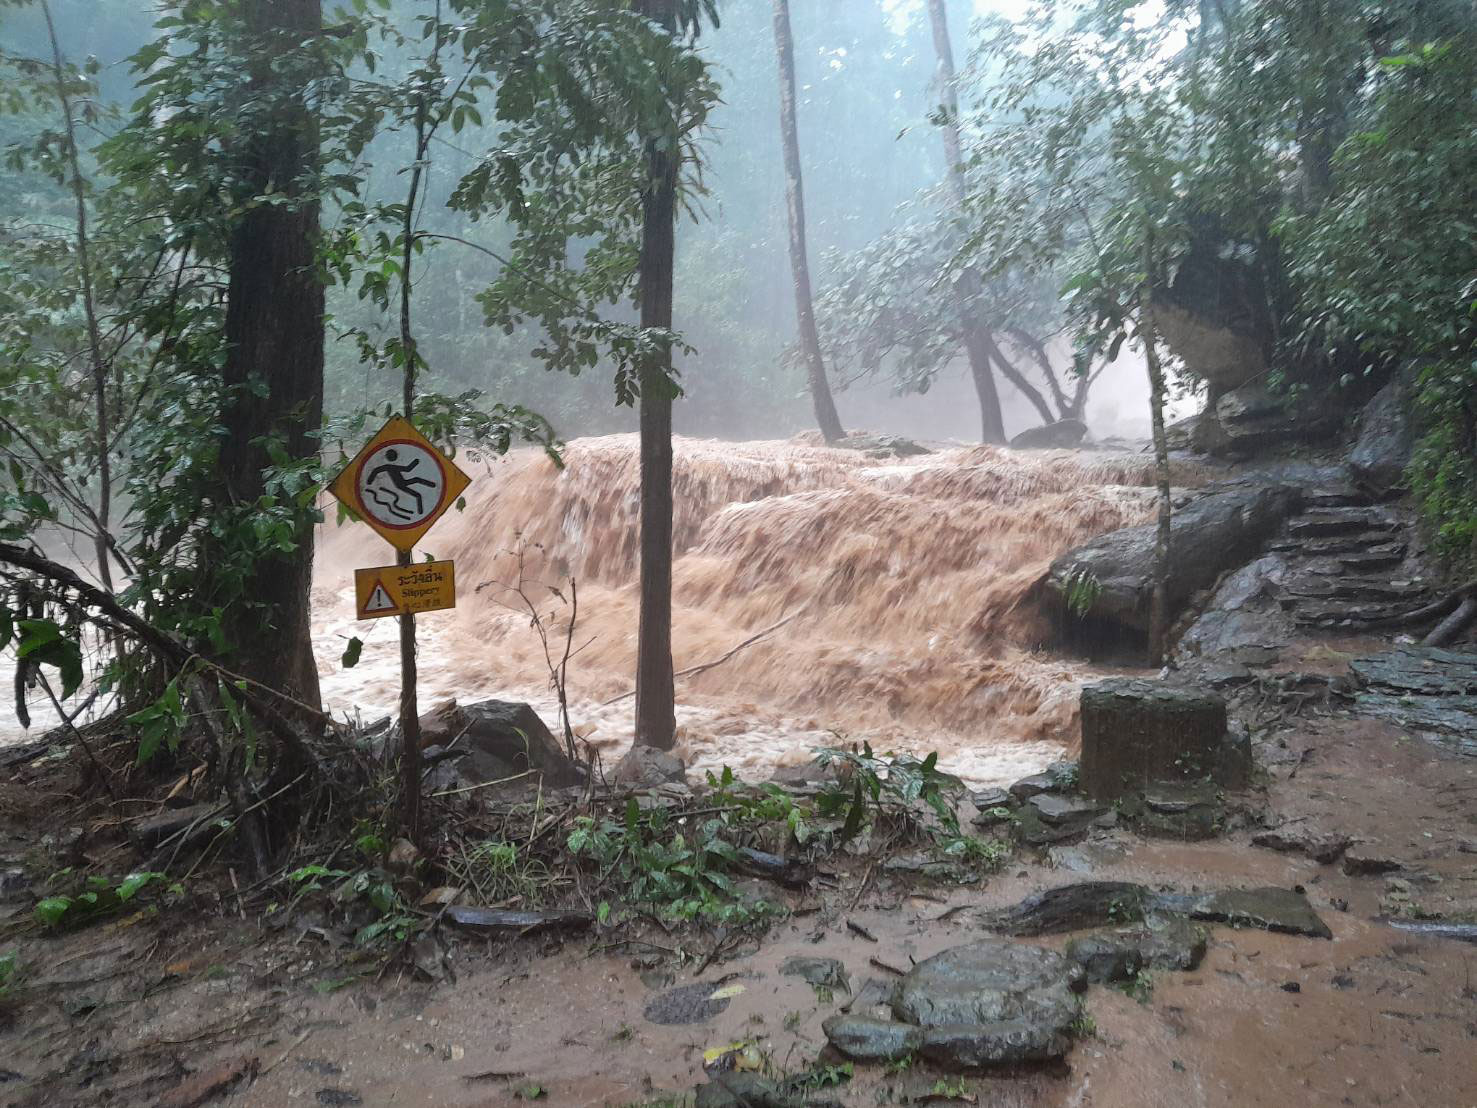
{"x":1353,"y":588}
{"x":1384,"y":556}
{"x":1329,"y":614}
{"x":1336,"y":545}
{"x":1323,"y":522}
{"x":1335,"y":496}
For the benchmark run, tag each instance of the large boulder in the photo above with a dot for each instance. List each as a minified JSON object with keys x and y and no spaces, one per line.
{"x":1217,"y":531}
{"x":991,"y":1002}
{"x":1382,"y":452}
{"x":647,"y":767}
{"x":1244,"y":621}
{"x":1250,"y":419}
{"x":503,"y":738}
{"x":1062,"y":433}
{"x":1137,"y":734}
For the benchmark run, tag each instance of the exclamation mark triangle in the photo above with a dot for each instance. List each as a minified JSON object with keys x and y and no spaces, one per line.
{"x":379,"y":599}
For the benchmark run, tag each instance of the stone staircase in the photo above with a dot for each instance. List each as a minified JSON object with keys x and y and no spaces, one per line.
{"x":1352,"y":564}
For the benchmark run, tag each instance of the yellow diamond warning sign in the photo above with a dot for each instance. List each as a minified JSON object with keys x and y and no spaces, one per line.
{"x":400,"y":484}
{"x":397,"y":590}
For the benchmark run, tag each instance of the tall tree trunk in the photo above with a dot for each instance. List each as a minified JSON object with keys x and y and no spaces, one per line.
{"x":967,"y":289}
{"x":1159,"y":598}
{"x":274,"y":350}
{"x":810,"y":341}
{"x":97,"y":363}
{"x":656,"y":723}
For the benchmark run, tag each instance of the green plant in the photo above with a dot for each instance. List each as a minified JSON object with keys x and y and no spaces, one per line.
{"x":887,"y":787}
{"x":900,"y":1065}
{"x":955,"y":1087}
{"x":1082,"y":590}
{"x":823,"y":1077}
{"x":371,"y":886}
{"x":1083,"y":1026}
{"x":986,"y":854}
{"x":1140,"y":986}
{"x":97,"y":897}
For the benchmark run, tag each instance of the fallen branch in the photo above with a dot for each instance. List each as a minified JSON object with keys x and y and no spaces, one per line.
{"x":1458,"y":621}
{"x":693,"y":671}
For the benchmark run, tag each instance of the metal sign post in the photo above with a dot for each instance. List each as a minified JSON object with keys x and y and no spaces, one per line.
{"x":401,"y":484}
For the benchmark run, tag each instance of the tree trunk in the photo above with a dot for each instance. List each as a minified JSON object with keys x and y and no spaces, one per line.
{"x":656,"y":723}
{"x":274,"y":356}
{"x":1159,"y":599}
{"x":810,"y":342}
{"x":967,"y":288}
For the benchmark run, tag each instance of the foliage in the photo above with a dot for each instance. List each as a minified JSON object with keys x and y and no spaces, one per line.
{"x":97,"y":897}
{"x":683,"y":874}
{"x":1083,"y":589}
{"x":888,"y":788}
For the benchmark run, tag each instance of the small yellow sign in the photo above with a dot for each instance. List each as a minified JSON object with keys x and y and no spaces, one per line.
{"x":400,"y":483}
{"x":398,"y":590}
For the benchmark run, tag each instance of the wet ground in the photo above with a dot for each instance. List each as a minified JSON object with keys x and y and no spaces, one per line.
{"x":124,"y":1012}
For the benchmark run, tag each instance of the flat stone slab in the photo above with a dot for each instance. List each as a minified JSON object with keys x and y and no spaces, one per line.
{"x":989,"y":981}
{"x":1161,"y":942}
{"x":827,"y":973}
{"x":1322,"y":846}
{"x":1269,"y":909}
{"x":868,"y":1039}
{"x":1007,"y":1042}
{"x":1058,"y":810}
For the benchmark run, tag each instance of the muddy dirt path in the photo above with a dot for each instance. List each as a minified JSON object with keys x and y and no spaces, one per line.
{"x":1376,"y":1016}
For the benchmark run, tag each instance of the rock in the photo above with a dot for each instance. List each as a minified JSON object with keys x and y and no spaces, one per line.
{"x":985,"y":799}
{"x":686,"y":1004}
{"x":645,"y":767}
{"x":14,"y":885}
{"x":743,"y":1090}
{"x":1136,"y":733}
{"x":1242,"y":620}
{"x":505,"y":738}
{"x":784,"y":871}
{"x":1215,"y":532}
{"x":1367,"y":861}
{"x":1322,"y":846}
{"x":1188,"y":812}
{"x":1162,"y":943}
{"x":872,"y":1040}
{"x":1250,"y":419}
{"x":878,"y":445}
{"x":996,"y":1043}
{"x":1050,"y":436}
{"x":521,"y":921}
{"x":1094,"y":903}
{"x":403,"y":858}
{"x":806,"y":773}
{"x":208,"y":1084}
{"x":826,"y":973}
{"x":1422,"y":688}
{"x":1028,"y":787}
{"x":990,"y":1002}
{"x":926,"y":866}
{"x":1074,"y":908}
{"x":1065,"y":810}
{"x":1269,"y":909}
{"x":1378,"y":461}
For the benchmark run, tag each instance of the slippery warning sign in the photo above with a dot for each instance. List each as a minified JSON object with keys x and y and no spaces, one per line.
{"x":398,"y":590}
{"x":400,"y":484}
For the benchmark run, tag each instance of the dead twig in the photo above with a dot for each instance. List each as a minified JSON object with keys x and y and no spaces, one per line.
{"x":693,"y":671}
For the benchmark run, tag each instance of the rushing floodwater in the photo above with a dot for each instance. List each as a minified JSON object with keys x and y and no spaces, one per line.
{"x":901,"y":585}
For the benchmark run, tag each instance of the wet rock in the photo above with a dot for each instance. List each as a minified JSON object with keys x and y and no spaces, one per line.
{"x":504,"y":921}
{"x":1382,"y":452}
{"x":1137,"y":732}
{"x":997,"y":1043}
{"x":338,"y":1098}
{"x":868,"y":1039}
{"x":1268,"y":909}
{"x":1215,"y":532}
{"x":1037,"y":783}
{"x":877,"y":445}
{"x":1095,"y":903}
{"x":1369,"y":861}
{"x":1065,"y":810}
{"x":502,"y":736}
{"x":806,"y":773}
{"x":873,"y":999}
{"x":987,"y":982}
{"x":1421,"y":688}
{"x":1058,"y":435}
{"x":1321,"y":846}
{"x":686,"y":1004}
{"x":646,"y":767}
{"x":1162,"y":943}
{"x":783,"y":871}
{"x":1242,"y":615}
{"x":926,"y":866}
{"x":1088,"y":857}
{"x":208,"y":1084}
{"x":984,"y":799}
{"x":14,"y":885}
{"x":1251,"y":418}
{"x":1188,"y":812}
{"x":828,"y":973}
{"x":748,"y":1090}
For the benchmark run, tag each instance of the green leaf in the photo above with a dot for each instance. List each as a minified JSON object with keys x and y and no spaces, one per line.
{"x":53,"y":910}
